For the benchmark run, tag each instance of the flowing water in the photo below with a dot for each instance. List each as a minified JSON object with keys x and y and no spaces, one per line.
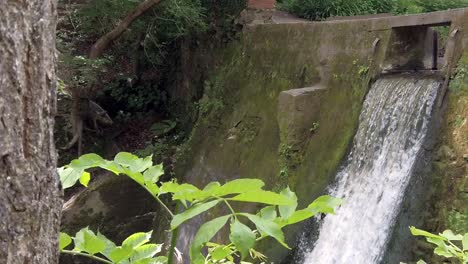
{"x":392,"y":129}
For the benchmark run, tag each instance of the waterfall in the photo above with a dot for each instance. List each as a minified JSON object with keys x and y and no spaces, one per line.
{"x":393,"y":126}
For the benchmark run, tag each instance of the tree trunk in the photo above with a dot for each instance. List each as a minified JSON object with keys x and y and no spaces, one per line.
{"x":101,"y":45}
{"x":30,"y":193}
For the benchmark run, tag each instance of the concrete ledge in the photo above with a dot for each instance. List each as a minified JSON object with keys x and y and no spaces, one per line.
{"x":298,"y":109}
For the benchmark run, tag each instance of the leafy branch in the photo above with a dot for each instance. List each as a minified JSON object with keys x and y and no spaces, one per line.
{"x":448,"y":244}
{"x":279,"y":212}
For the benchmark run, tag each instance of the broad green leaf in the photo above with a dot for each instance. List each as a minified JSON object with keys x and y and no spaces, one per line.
{"x":268,"y":213}
{"x":268,"y":227}
{"x":85,"y":178}
{"x":134,"y":175}
{"x":87,"y":241}
{"x":109,"y":245}
{"x":64,"y":240}
{"x":212,"y":187}
{"x":120,"y":253}
{"x":419,"y":232}
{"x":299,"y":216}
{"x":240,"y":186}
{"x":441,"y":251}
{"x":146,"y":251}
{"x":261,"y":196}
{"x":153,"y":173}
{"x":325,"y":204}
{"x":465,"y":242}
{"x":421,"y":262}
{"x":69,"y":176}
{"x":186,"y":192}
{"x":436,"y":241}
{"x":133,"y":162}
{"x":287,"y":210}
{"x":92,"y":243}
{"x":204,"y":234}
{"x":242,"y":237}
{"x":112,"y":166}
{"x":220,"y":253}
{"x":86,"y":161}
{"x":207,"y":192}
{"x":152,"y":188}
{"x":192,"y":212}
{"x":136,"y":240}
{"x":183,"y":192}
{"x":448,"y":234}
{"x":160,"y":260}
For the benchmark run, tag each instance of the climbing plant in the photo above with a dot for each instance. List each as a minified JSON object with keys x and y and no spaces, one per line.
{"x":278,"y":211}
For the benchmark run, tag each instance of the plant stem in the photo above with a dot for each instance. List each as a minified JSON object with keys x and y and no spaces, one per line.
{"x":159,"y":201}
{"x":230,"y":208}
{"x":175,"y":234}
{"x":75,"y":253}
{"x":164,"y":206}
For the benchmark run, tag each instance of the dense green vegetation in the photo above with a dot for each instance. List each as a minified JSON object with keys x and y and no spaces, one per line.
{"x":322,"y":9}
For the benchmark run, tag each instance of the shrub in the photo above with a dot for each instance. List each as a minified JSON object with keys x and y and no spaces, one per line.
{"x":321,"y":9}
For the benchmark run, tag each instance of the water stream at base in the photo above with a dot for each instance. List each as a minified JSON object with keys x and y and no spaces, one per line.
{"x":392,"y":129}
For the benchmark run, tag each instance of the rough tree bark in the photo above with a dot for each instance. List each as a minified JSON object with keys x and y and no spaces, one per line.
{"x":30,"y":194}
{"x":103,"y":42}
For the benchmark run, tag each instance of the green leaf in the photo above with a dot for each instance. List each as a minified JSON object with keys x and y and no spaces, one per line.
{"x":152,"y":188}
{"x":146,"y":251}
{"x":448,"y":234}
{"x":419,"y":232}
{"x":287,"y":210}
{"x":86,"y":161}
{"x":220,"y":253}
{"x":242,"y":237}
{"x":112,"y":167}
{"x":441,"y":251}
{"x":436,"y":241}
{"x":268,"y":213}
{"x":465,"y":242}
{"x":240,"y":186}
{"x":69,"y":176}
{"x":132,"y":162}
{"x":261,"y":196}
{"x":180,"y":191}
{"x":268,"y":227}
{"x":64,"y":240}
{"x":325,"y":204}
{"x":421,"y":262}
{"x":136,"y":240}
{"x":153,"y":173}
{"x":299,"y":216}
{"x":204,"y":234}
{"x":120,"y":253}
{"x":192,"y":212}
{"x":87,"y":241}
{"x":134,"y":175}
{"x":109,"y":245}
{"x":85,"y":178}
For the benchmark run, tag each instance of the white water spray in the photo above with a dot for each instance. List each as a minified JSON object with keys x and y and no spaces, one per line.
{"x":392,"y":129}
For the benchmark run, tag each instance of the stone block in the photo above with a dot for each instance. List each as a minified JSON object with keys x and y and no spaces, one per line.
{"x":298,"y":110}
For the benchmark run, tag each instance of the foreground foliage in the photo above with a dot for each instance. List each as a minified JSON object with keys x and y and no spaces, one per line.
{"x":279,"y":210}
{"x":448,"y":244}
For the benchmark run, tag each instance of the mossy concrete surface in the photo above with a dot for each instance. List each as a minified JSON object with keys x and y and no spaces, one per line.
{"x":239,"y":135}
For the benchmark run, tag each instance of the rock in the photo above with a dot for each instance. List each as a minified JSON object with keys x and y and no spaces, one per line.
{"x":116,"y":207}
